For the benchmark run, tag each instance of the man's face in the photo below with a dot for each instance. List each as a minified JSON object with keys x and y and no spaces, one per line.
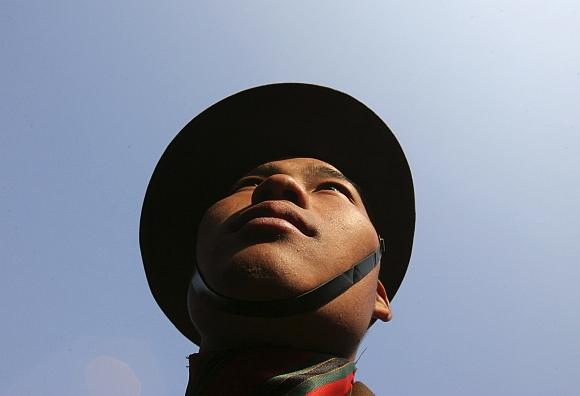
{"x":285,"y":228}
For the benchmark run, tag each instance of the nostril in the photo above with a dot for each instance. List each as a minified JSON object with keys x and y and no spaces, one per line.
{"x":290,"y":195}
{"x":274,"y":193}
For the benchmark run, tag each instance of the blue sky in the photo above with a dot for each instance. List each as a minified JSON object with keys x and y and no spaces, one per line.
{"x":484,"y":96}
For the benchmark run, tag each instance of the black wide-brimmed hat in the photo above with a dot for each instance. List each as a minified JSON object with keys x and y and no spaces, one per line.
{"x":250,"y":128}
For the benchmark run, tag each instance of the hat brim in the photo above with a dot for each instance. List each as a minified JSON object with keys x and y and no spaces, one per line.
{"x":253,"y":127}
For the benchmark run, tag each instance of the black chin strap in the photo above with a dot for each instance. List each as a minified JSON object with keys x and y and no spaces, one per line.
{"x":310,"y":300}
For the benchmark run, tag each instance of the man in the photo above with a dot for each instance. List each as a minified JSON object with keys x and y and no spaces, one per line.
{"x":262,"y":234}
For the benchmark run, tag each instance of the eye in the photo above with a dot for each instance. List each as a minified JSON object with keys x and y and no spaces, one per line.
{"x":246,"y":182}
{"x":337,"y":188}
{"x":330,"y":187}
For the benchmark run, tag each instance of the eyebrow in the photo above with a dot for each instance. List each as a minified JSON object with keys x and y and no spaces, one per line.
{"x":325,"y":171}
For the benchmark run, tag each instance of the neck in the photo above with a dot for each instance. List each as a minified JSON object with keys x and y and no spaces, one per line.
{"x":236,"y":346}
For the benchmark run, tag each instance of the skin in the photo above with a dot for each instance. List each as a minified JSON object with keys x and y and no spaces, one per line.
{"x":263,"y":257}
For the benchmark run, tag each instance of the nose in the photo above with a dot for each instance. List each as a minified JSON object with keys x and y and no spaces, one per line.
{"x":281,"y":187}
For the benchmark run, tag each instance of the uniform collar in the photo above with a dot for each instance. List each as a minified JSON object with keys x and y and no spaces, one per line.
{"x":269,"y":371}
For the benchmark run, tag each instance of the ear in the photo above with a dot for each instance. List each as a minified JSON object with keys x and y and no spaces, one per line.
{"x":382,"y":308}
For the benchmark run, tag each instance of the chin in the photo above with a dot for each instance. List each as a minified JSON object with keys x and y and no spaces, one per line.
{"x":261,"y":272}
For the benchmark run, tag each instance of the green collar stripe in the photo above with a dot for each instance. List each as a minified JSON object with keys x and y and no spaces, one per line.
{"x":319,"y":380}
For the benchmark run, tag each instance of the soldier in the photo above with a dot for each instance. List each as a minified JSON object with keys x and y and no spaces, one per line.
{"x":275,"y":229}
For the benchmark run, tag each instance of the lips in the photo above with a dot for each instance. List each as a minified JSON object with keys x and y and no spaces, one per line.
{"x":273,"y":209}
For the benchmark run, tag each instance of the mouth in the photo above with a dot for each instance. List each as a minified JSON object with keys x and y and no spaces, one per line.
{"x":278,"y":215}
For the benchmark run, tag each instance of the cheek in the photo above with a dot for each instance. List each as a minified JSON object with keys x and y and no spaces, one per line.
{"x":348,"y":237}
{"x":211,"y":225}
{"x":360,"y":237}
{"x":350,"y":225}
